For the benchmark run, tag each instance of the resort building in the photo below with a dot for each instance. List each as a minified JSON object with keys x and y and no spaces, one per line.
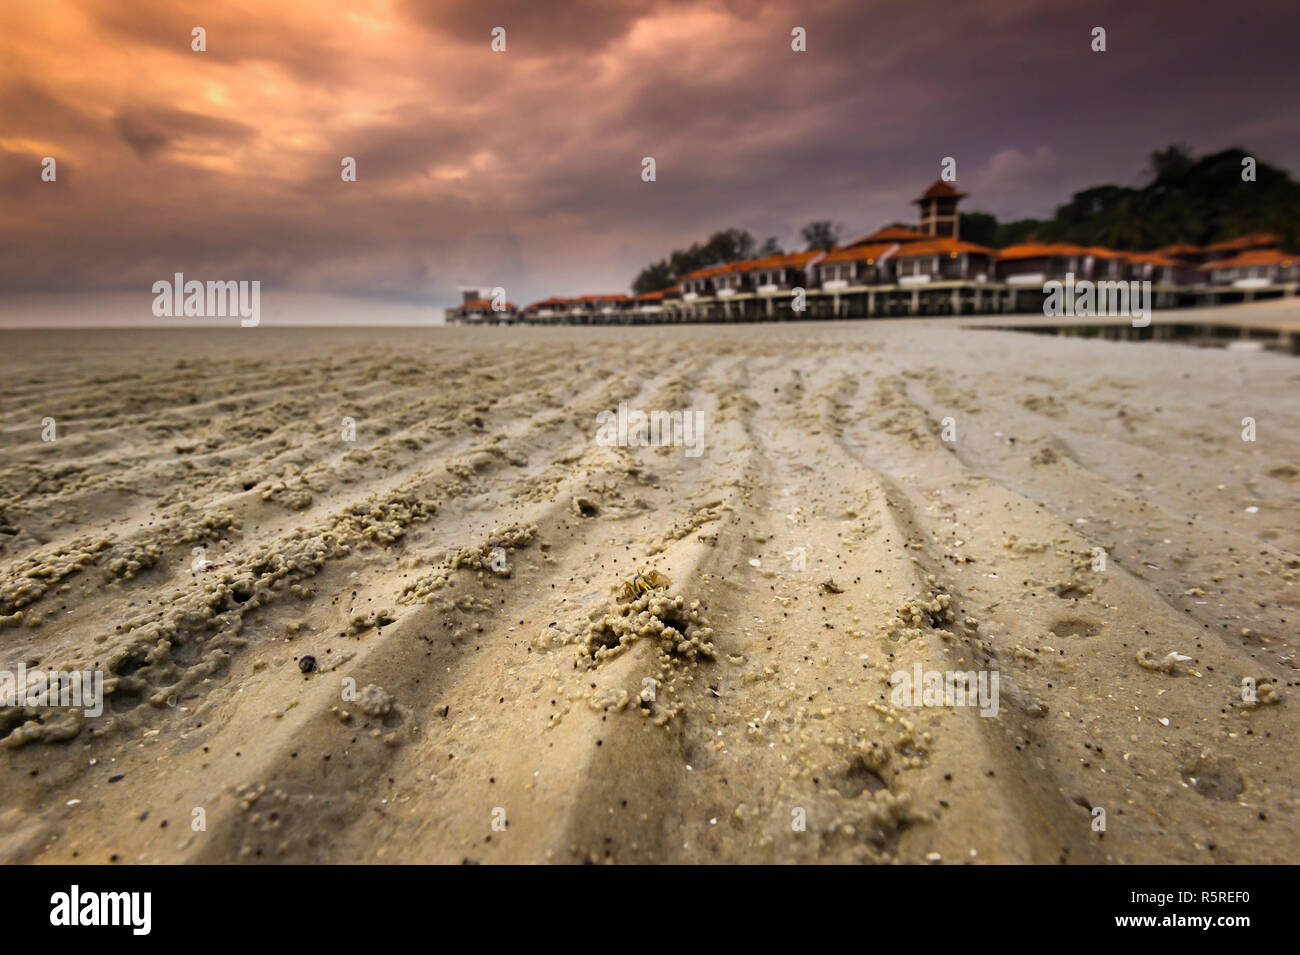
{"x":549,"y":311}
{"x":1253,"y":242}
{"x":845,"y":274}
{"x":1162,"y":270}
{"x":732,"y":282}
{"x":478,"y":308}
{"x":1104,"y":265}
{"x":770,"y":279}
{"x":943,"y":260}
{"x":597,"y":309}
{"x":652,"y":307}
{"x":857,"y":265}
{"x":930,"y":270}
{"x":1033,"y":263}
{"x":780,"y":273}
{"x":1254,"y":269}
{"x":702,"y":283}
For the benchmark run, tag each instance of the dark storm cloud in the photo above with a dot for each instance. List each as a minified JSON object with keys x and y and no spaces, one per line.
{"x":533,"y":29}
{"x":522,"y":169}
{"x":150,"y":131}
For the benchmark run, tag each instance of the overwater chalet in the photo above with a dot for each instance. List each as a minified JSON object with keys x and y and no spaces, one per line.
{"x":943,"y":260}
{"x":1218,"y":251}
{"x":1255,"y":268}
{"x":1035,"y":263}
{"x":477,"y":309}
{"x":858,"y":265}
{"x":774,"y":274}
{"x":615,"y":306}
{"x":702,"y":282}
{"x":654,"y":306}
{"x":771,"y":278}
{"x":1161,"y":269}
{"x":548,"y":311}
{"x":580,"y":309}
{"x":732,"y":291}
{"x":732,"y":282}
{"x":941,"y":276}
{"x":699,"y":291}
{"x":1102,"y":264}
{"x":599,"y":309}
{"x":845,"y":274}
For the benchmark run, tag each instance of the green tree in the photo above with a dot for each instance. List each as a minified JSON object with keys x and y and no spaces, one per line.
{"x":1187,"y":199}
{"x":1171,"y":163}
{"x":979,"y":227}
{"x":726,"y":245}
{"x":652,"y":278}
{"x":820,"y":235}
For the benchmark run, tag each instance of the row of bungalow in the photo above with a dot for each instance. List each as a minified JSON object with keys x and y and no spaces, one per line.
{"x":901,"y":271}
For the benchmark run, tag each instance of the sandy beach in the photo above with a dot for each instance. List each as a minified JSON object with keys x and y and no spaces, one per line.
{"x":355,"y":596}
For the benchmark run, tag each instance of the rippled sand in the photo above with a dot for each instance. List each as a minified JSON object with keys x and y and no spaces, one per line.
{"x":455,"y":566}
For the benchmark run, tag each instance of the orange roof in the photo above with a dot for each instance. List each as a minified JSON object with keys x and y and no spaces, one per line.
{"x":940,"y":190}
{"x":1035,"y":250}
{"x":783,"y":260}
{"x":549,"y":301}
{"x":486,"y":303}
{"x":710,"y":271}
{"x":1183,"y":248}
{"x":1151,"y":258}
{"x":869,"y":253}
{"x":1250,"y":241}
{"x":890,"y":233}
{"x":1101,"y":252}
{"x":616,"y":297}
{"x":1253,"y":257}
{"x":943,"y":247}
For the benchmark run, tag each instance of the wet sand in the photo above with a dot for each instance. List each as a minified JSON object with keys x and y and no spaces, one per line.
{"x":479,"y":690}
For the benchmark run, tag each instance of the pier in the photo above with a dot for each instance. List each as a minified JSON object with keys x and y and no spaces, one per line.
{"x":902,"y":301}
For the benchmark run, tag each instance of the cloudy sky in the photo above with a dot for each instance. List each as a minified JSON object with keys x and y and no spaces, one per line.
{"x":523,"y":168}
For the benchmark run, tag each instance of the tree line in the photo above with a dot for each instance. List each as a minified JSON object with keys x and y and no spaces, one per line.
{"x":1186,"y":200}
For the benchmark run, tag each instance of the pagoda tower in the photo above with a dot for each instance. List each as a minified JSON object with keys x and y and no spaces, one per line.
{"x":939,"y":215}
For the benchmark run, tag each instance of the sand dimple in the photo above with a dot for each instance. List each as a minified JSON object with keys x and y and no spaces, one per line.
{"x":1213,"y":777}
